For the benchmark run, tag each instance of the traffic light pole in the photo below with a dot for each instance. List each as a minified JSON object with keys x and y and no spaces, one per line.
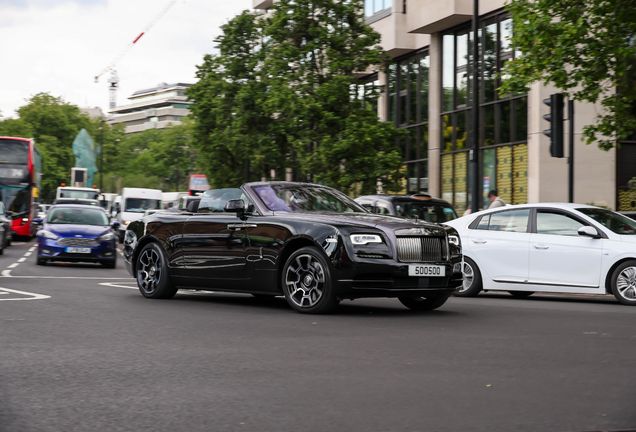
{"x":571,"y":153}
{"x":474,"y":161}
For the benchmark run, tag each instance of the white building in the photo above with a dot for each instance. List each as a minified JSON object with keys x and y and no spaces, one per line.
{"x":153,"y":108}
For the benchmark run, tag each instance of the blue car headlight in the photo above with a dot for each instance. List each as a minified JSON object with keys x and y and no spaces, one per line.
{"x":106,"y":237}
{"x":48,"y":235}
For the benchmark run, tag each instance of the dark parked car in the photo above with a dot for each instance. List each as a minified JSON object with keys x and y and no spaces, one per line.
{"x":309,"y":243}
{"x":421,"y":206}
{"x":77,"y":233}
{"x":5,"y":226}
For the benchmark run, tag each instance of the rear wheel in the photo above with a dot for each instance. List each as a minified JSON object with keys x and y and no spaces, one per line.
{"x":307,"y":282}
{"x":153,"y":279}
{"x":424,"y":303}
{"x":521,"y":294}
{"x":623,"y":283}
{"x":472,"y":284}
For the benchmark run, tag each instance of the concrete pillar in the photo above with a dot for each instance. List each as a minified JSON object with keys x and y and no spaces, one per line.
{"x":434,"y":116}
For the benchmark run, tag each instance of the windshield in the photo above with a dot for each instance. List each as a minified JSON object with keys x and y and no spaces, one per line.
{"x":613,"y":221}
{"x":140,"y":205}
{"x":77,"y":216}
{"x":14,"y":152}
{"x":69,"y":193}
{"x":16,"y":200}
{"x":428,"y":211}
{"x":294,"y":198}
{"x":214,"y":200}
{"x":76,"y":201}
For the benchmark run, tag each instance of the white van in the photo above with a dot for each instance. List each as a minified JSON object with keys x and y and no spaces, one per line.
{"x":134,"y":203}
{"x":171,"y":199}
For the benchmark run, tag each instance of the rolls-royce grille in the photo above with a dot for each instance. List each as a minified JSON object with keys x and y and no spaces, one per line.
{"x":81,"y":242}
{"x":421,"y":249}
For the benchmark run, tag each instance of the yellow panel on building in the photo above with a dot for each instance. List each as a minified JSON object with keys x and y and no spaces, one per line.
{"x":460,"y":174}
{"x":504,"y":173}
{"x":447,"y":177}
{"x":520,"y":174}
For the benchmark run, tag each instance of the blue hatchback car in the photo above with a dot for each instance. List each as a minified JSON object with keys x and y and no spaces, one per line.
{"x":77,"y":233}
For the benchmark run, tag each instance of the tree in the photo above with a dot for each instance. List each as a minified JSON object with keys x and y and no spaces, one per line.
{"x":585,"y":48}
{"x":281,"y":94}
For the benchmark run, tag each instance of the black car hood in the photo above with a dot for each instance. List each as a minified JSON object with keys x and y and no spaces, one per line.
{"x":369,"y":220}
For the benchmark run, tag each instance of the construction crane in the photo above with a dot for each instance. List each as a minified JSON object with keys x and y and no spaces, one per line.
{"x":114,"y":79}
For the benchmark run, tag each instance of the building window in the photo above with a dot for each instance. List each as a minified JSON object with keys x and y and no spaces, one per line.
{"x":407,"y":100}
{"x":367,"y":90}
{"x":503,"y":117}
{"x":374,"y":6}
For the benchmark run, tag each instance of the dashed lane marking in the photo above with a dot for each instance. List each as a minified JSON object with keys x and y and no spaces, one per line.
{"x":29,"y":296}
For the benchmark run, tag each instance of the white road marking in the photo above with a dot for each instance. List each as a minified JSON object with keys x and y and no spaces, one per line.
{"x":64,"y":277}
{"x":27,"y":254}
{"x":118,"y":286}
{"x":22,"y":260}
{"x":6,"y":273}
{"x":14,"y":265}
{"x":31,"y":296}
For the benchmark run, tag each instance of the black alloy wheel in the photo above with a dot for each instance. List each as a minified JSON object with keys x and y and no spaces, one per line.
{"x":153,"y":279}
{"x":623,"y":283}
{"x":424,"y":303}
{"x":472,"y":283}
{"x":307,"y":282}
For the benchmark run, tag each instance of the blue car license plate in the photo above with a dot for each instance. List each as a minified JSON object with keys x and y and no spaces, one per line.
{"x":78,"y":250}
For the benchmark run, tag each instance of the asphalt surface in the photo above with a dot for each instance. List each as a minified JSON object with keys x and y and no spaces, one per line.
{"x":82,"y":350}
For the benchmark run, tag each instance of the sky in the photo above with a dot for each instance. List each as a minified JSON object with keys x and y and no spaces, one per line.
{"x":59,"y":46}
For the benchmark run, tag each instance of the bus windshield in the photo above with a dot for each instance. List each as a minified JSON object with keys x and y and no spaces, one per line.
{"x":16,"y":200}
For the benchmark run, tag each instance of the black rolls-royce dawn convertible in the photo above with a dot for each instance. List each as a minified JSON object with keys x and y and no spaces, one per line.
{"x":310,"y":243}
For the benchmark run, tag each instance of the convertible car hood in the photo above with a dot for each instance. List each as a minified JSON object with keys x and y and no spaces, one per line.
{"x":366,"y":220}
{"x":67,"y":230}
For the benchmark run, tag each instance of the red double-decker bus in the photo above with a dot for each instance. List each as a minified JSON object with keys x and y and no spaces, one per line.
{"x":20,"y":177}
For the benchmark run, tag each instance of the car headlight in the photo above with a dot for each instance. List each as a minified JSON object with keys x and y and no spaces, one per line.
{"x":126,"y":222}
{"x":362,"y":239}
{"x":454,"y":240}
{"x":106,"y":237}
{"x":48,"y":235}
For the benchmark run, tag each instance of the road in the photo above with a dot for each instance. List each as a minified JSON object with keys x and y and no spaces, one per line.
{"x":82,"y":350}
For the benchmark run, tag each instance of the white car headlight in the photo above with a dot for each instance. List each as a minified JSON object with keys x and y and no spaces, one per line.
{"x":126,"y":222}
{"x":362,"y":239}
{"x":453,"y":239}
{"x":107,"y":236}
{"x":48,"y":235}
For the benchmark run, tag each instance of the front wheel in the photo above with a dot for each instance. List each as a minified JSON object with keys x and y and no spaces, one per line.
{"x":623,"y":283}
{"x":153,"y":279}
{"x":424,"y":303}
{"x":471,"y":284}
{"x":307,"y":282}
{"x":521,"y":294}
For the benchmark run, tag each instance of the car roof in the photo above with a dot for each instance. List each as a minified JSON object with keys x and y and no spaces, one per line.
{"x":79,"y":206}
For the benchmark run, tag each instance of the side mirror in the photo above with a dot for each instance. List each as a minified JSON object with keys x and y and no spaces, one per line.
{"x":235,"y":206}
{"x":589,"y":231}
{"x":38,"y":221}
{"x":9,"y":213}
{"x":116,"y":224}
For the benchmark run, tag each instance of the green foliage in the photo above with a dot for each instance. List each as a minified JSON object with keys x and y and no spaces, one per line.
{"x":279,"y":95}
{"x":587,"y":49}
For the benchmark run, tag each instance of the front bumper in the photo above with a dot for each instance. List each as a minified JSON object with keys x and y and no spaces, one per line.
{"x":51,"y":250}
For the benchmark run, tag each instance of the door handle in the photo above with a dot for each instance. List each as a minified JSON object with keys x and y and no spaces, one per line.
{"x":239,"y":226}
{"x":479,"y":241}
{"x":540,"y":246}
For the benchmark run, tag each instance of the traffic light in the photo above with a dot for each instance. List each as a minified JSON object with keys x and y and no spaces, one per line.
{"x":555,"y":102}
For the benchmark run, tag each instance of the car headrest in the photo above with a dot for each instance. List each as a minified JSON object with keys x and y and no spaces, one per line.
{"x":193,"y":206}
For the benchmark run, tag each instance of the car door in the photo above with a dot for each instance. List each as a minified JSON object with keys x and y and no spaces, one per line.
{"x":499,"y":246}
{"x":215,"y":247}
{"x":559,"y":256}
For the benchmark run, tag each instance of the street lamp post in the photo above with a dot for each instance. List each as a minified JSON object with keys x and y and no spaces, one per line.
{"x":474,"y":153}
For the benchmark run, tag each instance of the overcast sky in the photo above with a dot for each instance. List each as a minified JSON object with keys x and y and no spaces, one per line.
{"x":58,"y":46}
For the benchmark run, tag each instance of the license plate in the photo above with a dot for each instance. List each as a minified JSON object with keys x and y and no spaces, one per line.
{"x":78,"y":250}
{"x":427,"y":270}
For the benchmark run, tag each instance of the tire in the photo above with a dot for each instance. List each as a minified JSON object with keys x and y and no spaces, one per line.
{"x":521,"y":294}
{"x":472,"y":284}
{"x":424,"y":303}
{"x":623,"y":283}
{"x":112,"y":263}
{"x":41,"y":262}
{"x":153,"y":279}
{"x":121,"y":234}
{"x":306,"y":282}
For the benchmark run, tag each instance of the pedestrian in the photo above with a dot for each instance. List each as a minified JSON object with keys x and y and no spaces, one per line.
{"x":495,"y":200}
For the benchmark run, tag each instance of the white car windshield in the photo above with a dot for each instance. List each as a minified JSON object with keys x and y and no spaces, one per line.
{"x":613,"y":221}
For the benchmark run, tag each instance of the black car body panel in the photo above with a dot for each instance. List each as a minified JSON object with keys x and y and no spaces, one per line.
{"x":221,"y":252}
